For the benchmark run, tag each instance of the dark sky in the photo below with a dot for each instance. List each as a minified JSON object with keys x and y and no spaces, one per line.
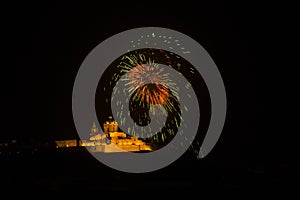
{"x":47,"y":42}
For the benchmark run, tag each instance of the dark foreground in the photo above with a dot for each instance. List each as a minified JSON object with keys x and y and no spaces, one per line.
{"x":77,"y":172}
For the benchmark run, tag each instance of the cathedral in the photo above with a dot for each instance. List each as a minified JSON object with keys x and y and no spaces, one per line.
{"x":109,"y":141}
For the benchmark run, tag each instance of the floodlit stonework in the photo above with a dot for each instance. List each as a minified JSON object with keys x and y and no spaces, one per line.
{"x":110,"y":141}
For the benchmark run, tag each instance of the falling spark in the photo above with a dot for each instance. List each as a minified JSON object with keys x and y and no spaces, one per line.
{"x":148,"y":83}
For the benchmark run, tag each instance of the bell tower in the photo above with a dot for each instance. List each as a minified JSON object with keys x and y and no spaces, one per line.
{"x":94,"y":130}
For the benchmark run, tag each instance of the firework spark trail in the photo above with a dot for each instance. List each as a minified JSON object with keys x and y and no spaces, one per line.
{"x":139,"y":73}
{"x":148,"y":84}
{"x":145,"y":91}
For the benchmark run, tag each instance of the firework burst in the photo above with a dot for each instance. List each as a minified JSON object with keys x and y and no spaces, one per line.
{"x":141,"y":88}
{"x":148,"y":84}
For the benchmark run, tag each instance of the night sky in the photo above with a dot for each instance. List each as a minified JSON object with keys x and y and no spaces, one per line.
{"x":49,"y":42}
{"x":46,"y":43}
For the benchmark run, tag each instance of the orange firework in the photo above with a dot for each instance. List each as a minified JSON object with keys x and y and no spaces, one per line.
{"x":146,"y":81}
{"x":154,"y":92}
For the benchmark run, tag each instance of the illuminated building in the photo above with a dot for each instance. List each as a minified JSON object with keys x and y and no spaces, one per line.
{"x":112,"y":140}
